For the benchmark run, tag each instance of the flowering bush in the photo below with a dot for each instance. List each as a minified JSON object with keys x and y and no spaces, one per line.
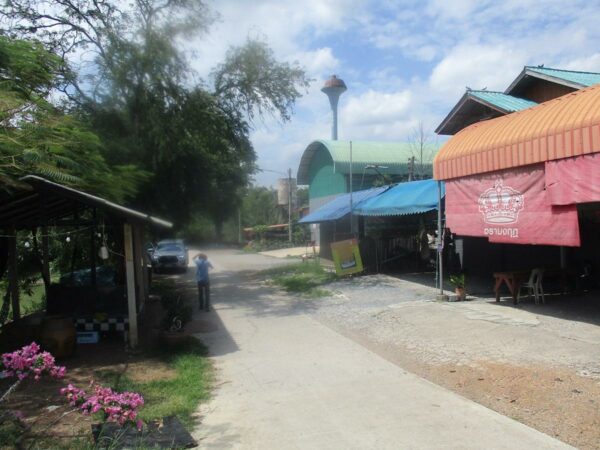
{"x":30,"y":361}
{"x":116,"y":407}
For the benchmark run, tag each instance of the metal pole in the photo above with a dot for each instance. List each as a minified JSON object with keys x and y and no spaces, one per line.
{"x":351,"y":205}
{"x":440,"y":242}
{"x":290,"y":205}
{"x":239,"y":225}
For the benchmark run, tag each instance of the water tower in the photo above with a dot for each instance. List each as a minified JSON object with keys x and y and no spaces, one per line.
{"x":334,"y":87}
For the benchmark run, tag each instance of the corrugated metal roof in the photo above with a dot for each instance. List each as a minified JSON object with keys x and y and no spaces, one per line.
{"x":394,"y":155}
{"x":413,"y":197}
{"x":505,"y":102}
{"x":584,"y":79}
{"x":473,"y":107}
{"x":49,"y":200}
{"x":564,"y":127}
{"x":340,"y":206}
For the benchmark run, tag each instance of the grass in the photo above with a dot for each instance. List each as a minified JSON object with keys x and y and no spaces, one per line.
{"x":302,"y":278}
{"x":34,"y":302}
{"x":177,"y":396}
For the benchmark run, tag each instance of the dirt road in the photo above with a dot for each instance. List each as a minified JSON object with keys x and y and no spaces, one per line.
{"x":288,"y":376}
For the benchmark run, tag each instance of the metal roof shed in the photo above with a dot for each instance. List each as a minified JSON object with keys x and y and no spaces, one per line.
{"x":414,"y":197}
{"x":43,"y":203}
{"x":341,"y":206}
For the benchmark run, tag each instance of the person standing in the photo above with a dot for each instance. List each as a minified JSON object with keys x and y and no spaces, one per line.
{"x":202,"y":266}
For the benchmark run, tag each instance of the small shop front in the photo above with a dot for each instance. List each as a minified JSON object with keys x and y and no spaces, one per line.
{"x":523,"y":190}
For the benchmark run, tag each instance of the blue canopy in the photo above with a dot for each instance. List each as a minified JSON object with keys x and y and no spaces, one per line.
{"x":404,"y":198}
{"x":340,"y":206}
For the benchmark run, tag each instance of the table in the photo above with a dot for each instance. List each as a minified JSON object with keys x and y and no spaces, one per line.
{"x":513,"y":280}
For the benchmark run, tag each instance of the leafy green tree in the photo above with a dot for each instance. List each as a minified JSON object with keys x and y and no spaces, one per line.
{"x":260,"y":207}
{"x":38,"y":138}
{"x":139,"y":95}
{"x":252,"y":82}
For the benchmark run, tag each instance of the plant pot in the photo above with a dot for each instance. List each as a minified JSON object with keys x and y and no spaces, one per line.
{"x":461,"y":293}
{"x":58,"y":336}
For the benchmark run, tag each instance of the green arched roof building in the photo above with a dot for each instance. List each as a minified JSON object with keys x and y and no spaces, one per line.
{"x":325,"y":166}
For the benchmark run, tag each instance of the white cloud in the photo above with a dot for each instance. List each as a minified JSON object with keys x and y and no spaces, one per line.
{"x":426,"y":53}
{"x":318,"y":62}
{"x":589,"y":63}
{"x":372,"y":107}
{"x":476,"y":66}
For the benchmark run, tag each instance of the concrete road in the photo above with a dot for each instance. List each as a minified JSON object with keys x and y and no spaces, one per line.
{"x":286,"y":381}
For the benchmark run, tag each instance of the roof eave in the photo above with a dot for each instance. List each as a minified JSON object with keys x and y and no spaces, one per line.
{"x":441,"y":129}
{"x":532,"y":73}
{"x":92,"y":200}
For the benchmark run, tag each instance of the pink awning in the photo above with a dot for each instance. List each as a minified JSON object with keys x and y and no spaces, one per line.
{"x":573,"y":180}
{"x":510,"y":206}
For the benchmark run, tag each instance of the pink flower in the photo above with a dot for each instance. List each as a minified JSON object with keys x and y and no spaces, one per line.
{"x":29,"y":361}
{"x":115,"y":407}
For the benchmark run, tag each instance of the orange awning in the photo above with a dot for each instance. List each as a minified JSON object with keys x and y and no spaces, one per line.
{"x":561,"y":128}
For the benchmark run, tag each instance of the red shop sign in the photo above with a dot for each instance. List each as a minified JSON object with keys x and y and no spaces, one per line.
{"x":510,"y":206}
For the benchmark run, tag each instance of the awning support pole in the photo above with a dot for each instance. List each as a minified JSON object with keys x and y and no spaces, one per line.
{"x":440,"y":243}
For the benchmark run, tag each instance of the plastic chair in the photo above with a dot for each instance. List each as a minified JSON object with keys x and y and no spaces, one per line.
{"x":534,"y":285}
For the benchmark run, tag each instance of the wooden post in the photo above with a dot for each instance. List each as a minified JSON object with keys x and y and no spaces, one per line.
{"x":93,"y":265}
{"x":145,"y":282}
{"x":130,"y":277}
{"x":45,"y":255}
{"x":13,"y":275}
{"x":139,"y":264}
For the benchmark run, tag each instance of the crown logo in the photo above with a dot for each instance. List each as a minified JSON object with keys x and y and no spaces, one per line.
{"x":501,"y":204}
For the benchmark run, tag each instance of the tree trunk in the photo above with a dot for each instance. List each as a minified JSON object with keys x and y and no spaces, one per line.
{"x":219,"y":229}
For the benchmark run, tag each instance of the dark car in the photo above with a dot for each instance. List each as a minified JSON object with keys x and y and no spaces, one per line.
{"x":169,"y":254}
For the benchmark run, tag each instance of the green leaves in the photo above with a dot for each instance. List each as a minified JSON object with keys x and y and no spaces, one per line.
{"x":138,"y":103}
{"x":252,"y":81}
{"x":38,"y":138}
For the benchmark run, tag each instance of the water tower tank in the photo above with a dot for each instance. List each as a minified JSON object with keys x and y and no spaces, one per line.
{"x":283,"y":191}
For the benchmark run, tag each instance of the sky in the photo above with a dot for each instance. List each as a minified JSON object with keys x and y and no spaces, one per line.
{"x":405,"y":62}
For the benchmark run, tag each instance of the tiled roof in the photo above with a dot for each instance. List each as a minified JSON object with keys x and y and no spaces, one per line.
{"x":505,"y":102}
{"x":565,"y":127}
{"x":584,"y":79}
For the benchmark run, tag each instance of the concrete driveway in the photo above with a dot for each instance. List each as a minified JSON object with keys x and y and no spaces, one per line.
{"x":287,"y":381}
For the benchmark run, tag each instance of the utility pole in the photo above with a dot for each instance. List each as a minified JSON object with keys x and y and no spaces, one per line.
{"x":411,"y":168}
{"x":290,"y":205}
{"x":351,"y":188}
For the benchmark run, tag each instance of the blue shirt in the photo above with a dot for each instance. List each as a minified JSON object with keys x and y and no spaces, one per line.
{"x":202,"y":266}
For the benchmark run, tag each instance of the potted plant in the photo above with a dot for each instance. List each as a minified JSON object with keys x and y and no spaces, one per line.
{"x":458,"y":281}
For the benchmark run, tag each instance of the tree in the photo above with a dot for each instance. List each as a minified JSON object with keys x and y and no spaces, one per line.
{"x":252,"y":82}
{"x":423,"y":150}
{"x":138,"y":95}
{"x":260,"y":207}
{"x":38,"y":138}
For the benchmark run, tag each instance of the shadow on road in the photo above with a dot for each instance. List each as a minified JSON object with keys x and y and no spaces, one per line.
{"x":242,"y":291}
{"x":583,"y":307}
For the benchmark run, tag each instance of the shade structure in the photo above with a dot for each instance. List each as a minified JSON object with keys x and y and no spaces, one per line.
{"x":405,"y":198}
{"x":340,"y":206}
{"x":565,"y":127}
